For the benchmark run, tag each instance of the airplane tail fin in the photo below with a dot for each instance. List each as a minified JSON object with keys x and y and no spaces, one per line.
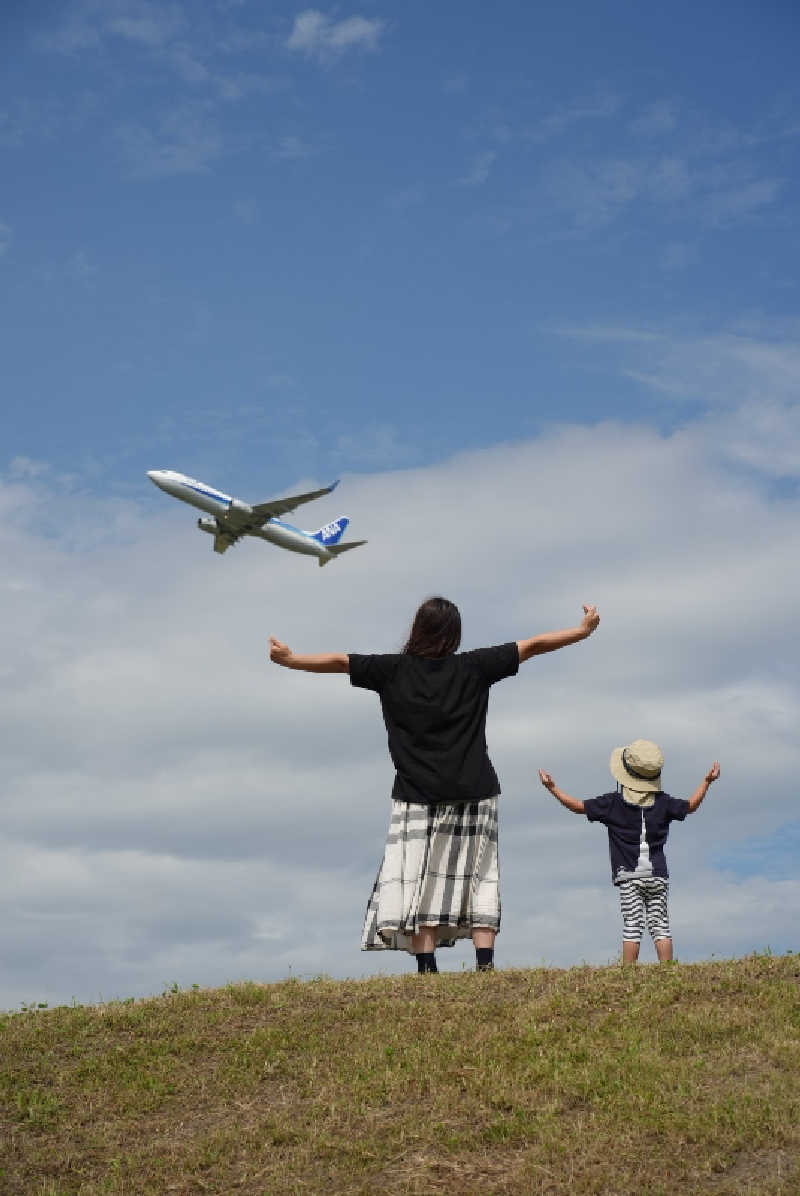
{"x":338,"y":549}
{"x":331,"y":533}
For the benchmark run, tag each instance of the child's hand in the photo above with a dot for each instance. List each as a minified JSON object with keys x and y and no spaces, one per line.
{"x":547,"y":780}
{"x":712,"y":773}
{"x":279,"y":653}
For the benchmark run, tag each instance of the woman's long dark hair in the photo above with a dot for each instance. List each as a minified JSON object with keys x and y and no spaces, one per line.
{"x":436,"y":630}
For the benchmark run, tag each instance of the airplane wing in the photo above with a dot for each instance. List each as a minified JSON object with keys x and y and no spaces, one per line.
{"x":281,"y":506}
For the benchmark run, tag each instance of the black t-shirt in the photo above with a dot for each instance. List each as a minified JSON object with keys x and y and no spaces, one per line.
{"x":435,"y":716}
{"x":627,"y":824}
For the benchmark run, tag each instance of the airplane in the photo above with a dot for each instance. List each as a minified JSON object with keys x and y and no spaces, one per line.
{"x":229,"y":518}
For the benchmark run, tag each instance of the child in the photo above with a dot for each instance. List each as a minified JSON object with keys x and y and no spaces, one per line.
{"x":637,"y":817}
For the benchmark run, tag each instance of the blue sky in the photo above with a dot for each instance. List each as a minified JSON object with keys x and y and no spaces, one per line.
{"x":526,"y":278}
{"x":233,"y":243}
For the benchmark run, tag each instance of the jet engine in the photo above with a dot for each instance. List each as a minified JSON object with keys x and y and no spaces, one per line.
{"x":208,"y":524}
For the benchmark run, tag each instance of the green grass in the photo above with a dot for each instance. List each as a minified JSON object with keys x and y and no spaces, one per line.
{"x":678,"y":1079}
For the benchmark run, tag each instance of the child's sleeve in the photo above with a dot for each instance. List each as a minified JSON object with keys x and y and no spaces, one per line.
{"x":597,"y":809}
{"x":677,"y":808}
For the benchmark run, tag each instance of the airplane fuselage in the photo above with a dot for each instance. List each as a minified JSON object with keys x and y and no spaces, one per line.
{"x":219,"y":506}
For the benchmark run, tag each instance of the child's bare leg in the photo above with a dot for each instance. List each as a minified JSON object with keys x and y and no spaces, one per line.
{"x":482,"y":936}
{"x":630,"y":951}
{"x":663,"y":950}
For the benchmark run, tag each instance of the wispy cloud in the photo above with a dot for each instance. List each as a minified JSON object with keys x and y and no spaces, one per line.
{"x":406,"y":198}
{"x":319,"y":36}
{"x":27,"y":467}
{"x":747,"y":385}
{"x":292,"y":148}
{"x":590,"y":193}
{"x":80,"y":268}
{"x":478,"y":171}
{"x":600,"y":107}
{"x":88,"y":23}
{"x":660,"y":117}
{"x":184,"y":140}
{"x":741,"y":202}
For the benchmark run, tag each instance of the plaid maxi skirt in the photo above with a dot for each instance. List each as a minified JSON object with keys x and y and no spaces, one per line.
{"x":440,"y":869}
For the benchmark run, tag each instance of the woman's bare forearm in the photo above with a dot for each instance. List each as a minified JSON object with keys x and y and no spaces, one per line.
{"x":550,"y":641}
{"x":319,"y":662}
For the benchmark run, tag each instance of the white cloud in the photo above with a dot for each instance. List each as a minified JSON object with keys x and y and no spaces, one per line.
{"x":26,"y":467}
{"x":80,"y":268}
{"x":150,"y":25}
{"x":656,"y":119}
{"x":752,"y":380}
{"x":291,"y":148}
{"x":178,"y":809}
{"x":600,"y":107}
{"x":88,"y":22}
{"x":186,"y":139}
{"x":593,"y":194}
{"x":318,"y":36}
{"x":738,"y":203}
{"x":479,"y":169}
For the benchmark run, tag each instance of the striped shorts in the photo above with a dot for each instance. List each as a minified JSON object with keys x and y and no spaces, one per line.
{"x":644,"y":899}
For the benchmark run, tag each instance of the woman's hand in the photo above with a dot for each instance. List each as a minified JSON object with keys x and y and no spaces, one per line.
{"x":279,"y":653}
{"x":547,"y":780}
{"x":590,"y":619}
{"x":712,"y":773}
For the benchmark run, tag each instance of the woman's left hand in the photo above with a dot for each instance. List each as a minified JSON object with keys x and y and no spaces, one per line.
{"x":279,"y":653}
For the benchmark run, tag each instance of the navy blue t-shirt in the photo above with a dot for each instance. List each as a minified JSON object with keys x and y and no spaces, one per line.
{"x":435,"y":716}
{"x":625,"y":830}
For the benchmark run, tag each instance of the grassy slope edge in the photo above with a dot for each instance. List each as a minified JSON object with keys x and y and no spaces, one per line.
{"x":589,"y":1080}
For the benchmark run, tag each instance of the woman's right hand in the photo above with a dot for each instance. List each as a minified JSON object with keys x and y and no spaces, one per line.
{"x":547,"y":780}
{"x":590,"y":619}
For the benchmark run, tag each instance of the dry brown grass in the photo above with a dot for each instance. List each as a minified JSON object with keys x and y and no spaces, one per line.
{"x":591,"y":1080}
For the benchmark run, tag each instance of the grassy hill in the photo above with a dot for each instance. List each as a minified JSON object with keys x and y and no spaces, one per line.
{"x":679,"y":1079}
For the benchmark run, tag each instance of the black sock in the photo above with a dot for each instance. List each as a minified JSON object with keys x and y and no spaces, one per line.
{"x":426,"y":961}
{"x":484,"y":959}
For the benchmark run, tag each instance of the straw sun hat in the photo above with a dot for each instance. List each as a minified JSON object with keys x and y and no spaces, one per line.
{"x":638,"y":766}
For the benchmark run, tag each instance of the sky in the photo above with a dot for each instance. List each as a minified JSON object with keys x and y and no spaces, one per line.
{"x":526,"y":279}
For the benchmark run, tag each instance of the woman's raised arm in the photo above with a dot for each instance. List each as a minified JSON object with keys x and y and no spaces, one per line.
{"x":321,"y":662}
{"x":548,"y":641}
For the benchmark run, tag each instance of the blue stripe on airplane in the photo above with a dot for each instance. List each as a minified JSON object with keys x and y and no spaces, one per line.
{"x":223,"y":498}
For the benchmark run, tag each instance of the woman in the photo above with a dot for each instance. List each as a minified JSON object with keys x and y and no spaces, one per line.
{"x":438,"y":880}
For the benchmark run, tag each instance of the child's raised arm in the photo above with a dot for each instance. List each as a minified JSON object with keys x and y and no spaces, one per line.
{"x":703,"y":787}
{"x":549,"y":641}
{"x":571,"y":803}
{"x":321,"y":662}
